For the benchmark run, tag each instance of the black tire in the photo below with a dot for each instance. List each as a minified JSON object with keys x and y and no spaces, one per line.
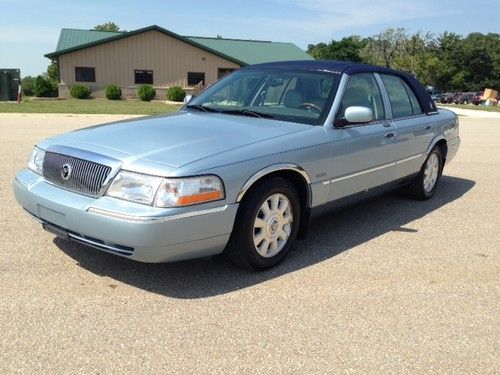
{"x":417,"y":187}
{"x":240,"y":248}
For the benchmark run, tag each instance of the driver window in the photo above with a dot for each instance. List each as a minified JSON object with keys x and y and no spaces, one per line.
{"x":362,"y":90}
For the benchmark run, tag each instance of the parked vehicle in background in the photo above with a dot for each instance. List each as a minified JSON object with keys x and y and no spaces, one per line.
{"x":463,"y":97}
{"x":447,"y":98}
{"x":478,"y":96}
{"x":436,"y":97}
{"x":241,"y":167}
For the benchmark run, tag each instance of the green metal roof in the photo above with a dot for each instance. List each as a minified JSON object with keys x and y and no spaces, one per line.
{"x":240,"y":51}
{"x":70,"y":38}
{"x":253,"y":51}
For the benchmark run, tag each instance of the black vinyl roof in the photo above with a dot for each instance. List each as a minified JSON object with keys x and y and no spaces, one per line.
{"x":350,"y":68}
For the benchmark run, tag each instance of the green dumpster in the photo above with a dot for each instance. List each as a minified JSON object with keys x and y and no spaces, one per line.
{"x":10,"y":79}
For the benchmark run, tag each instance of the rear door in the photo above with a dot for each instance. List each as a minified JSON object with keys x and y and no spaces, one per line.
{"x":415,"y":129}
{"x":363,"y":155}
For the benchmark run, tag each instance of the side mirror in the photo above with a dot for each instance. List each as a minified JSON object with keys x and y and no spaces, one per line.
{"x":358,"y":115}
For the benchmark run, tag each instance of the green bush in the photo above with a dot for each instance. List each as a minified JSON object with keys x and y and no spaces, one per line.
{"x":45,"y":87}
{"x":28,"y":85}
{"x":176,"y":94}
{"x":80,"y":91}
{"x":146,"y":93}
{"x":113,"y":92}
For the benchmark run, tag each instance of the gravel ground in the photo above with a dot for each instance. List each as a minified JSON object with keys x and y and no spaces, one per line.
{"x":387,"y":286}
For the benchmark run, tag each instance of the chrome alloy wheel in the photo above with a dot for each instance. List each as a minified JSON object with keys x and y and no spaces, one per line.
{"x":431,"y":172}
{"x":272,"y":225}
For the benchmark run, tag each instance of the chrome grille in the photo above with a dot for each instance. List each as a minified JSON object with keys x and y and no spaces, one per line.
{"x":86,"y":177}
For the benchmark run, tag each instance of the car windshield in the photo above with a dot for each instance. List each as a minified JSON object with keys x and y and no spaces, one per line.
{"x":287,"y":95}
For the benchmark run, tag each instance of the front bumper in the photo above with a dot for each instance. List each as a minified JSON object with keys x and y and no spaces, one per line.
{"x":135,"y":231}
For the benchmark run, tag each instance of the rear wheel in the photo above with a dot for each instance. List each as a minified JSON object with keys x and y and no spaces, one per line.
{"x":425,"y":184}
{"x":266,"y":225}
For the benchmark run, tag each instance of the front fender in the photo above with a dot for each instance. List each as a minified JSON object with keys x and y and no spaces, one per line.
{"x":271,"y":169}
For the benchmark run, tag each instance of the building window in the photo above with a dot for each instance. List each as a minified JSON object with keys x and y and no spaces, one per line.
{"x":83,"y":74}
{"x":196,"y":78}
{"x":143,"y":76}
{"x":221,"y":72}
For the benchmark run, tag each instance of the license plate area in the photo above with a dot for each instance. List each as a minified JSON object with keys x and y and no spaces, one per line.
{"x":58,"y":231}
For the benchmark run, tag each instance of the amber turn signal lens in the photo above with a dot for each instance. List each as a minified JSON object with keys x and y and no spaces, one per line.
{"x":199,"y":198}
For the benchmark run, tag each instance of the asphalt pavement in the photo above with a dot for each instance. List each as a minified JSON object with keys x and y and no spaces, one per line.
{"x":390,"y":285}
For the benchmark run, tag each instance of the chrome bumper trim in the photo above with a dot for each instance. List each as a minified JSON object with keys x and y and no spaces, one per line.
{"x":116,"y":249}
{"x":153,"y":219}
{"x":100,"y":246}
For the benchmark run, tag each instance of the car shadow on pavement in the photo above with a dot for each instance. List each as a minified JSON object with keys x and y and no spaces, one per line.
{"x":329,"y":235}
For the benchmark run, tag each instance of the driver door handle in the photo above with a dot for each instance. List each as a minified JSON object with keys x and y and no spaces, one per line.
{"x":389,"y":135}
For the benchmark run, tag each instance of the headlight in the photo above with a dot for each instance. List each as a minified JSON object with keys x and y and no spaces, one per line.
{"x":134,"y":187}
{"x":165,"y":192}
{"x":187,"y":191}
{"x":36,"y":160}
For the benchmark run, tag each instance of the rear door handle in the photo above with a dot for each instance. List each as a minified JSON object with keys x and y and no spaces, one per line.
{"x":389,"y":135}
{"x":428,"y":127}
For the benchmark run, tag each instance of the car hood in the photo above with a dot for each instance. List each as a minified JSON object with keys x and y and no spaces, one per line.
{"x":174,"y":140}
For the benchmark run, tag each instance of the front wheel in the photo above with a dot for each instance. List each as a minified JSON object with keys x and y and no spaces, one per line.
{"x":425,"y":184}
{"x":266,"y":225}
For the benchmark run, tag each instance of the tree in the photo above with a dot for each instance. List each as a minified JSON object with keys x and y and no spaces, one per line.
{"x":347,"y":49}
{"x":44,"y":86}
{"x":28,"y":85}
{"x":386,"y":47}
{"x":414,"y":52}
{"x":53,"y":70}
{"x":448,"y":62}
{"x":108,"y":26}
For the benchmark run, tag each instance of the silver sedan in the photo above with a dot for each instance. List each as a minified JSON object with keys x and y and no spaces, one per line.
{"x":241,"y":168}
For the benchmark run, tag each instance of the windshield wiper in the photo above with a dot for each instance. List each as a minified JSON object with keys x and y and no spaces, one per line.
{"x":247,"y":112}
{"x":201,"y":107}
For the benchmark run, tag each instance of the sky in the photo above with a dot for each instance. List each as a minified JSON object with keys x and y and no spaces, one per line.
{"x":30,"y":28}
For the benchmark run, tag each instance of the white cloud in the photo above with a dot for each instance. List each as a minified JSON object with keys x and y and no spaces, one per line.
{"x":327,"y":16}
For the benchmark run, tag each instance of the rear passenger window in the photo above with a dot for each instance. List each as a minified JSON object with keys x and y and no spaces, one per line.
{"x":404,"y":103}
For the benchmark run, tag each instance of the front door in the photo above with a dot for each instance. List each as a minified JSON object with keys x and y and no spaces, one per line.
{"x":363,"y":155}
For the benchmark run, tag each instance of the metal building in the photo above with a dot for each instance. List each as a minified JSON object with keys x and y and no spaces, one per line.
{"x":156,"y":56}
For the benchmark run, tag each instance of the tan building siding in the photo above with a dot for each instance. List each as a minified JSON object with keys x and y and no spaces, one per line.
{"x":169,"y":58}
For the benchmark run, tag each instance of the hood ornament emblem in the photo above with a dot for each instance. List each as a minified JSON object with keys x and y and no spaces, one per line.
{"x":66,"y":172}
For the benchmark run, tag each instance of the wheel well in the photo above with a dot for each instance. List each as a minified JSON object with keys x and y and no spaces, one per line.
{"x":444,"y":148}
{"x":302,"y":188}
{"x":296,"y":180}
